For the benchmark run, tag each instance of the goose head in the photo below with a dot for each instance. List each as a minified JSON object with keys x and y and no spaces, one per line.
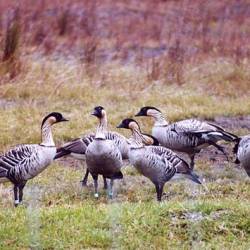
{"x":99,"y":112}
{"x":53,"y":118}
{"x":129,"y":124}
{"x":148,"y":111}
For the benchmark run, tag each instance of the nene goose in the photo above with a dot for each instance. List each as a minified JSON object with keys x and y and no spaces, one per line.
{"x":103,"y":157}
{"x":157,"y":163}
{"x":188,"y":136}
{"x":242,"y":150}
{"x":77,"y":148}
{"x":25,"y":161}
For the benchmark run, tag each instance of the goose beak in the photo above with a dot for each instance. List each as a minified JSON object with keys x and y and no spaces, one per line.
{"x":64,"y":120}
{"x":120,"y":125}
{"x":94,"y":113}
{"x":139,"y":113}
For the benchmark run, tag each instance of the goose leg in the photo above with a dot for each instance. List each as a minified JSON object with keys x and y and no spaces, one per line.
{"x":221,"y":149}
{"x":85,"y":178}
{"x":21,"y":192}
{"x":95,"y":177}
{"x":105,"y":184}
{"x":110,"y":189}
{"x":16,"y":200}
{"x":159,"y":190}
{"x":192,"y":161}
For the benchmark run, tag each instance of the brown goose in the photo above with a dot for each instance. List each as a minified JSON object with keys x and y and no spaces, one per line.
{"x":25,"y":161}
{"x":157,"y":163}
{"x":103,"y":157}
{"x":188,"y":136}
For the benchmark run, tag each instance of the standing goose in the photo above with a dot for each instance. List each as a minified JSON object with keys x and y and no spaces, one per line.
{"x":103,"y":157}
{"x":76,"y":148}
{"x":188,"y":136}
{"x":157,"y":163}
{"x":242,"y":151}
{"x":25,"y":161}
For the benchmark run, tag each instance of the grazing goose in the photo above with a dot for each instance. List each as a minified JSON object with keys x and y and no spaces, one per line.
{"x":157,"y":163}
{"x":103,"y":157}
{"x":242,"y":151}
{"x":188,"y":136}
{"x":25,"y":161}
{"x":76,"y":148}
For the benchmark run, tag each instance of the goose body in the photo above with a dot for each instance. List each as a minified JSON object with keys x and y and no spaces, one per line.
{"x":242,"y":150}
{"x":102,"y":155}
{"x":25,"y":161}
{"x":157,"y":163}
{"x":188,"y":136}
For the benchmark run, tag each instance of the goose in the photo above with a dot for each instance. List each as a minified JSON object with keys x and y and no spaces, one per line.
{"x":103,"y":157}
{"x":242,"y":151}
{"x":188,"y":136}
{"x":76,"y":148}
{"x":25,"y":161}
{"x":157,"y":163}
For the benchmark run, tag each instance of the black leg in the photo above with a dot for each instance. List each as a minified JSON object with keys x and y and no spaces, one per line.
{"x":159,"y":190}
{"x":21,"y":191}
{"x":95,"y":177}
{"x":192,"y":161}
{"x":221,"y":149}
{"x":110,"y":191}
{"x":16,"y":200}
{"x":85,"y":178}
{"x":105,"y":184}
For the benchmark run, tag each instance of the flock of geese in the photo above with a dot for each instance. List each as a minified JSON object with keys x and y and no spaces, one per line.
{"x":154,"y":156}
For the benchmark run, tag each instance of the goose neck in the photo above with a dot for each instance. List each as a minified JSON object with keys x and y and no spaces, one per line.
{"x":47,"y":137}
{"x":159,"y":119}
{"x":137,"y":139}
{"x":102,"y":128}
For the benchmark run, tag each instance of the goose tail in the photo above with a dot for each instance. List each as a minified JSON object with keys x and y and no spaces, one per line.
{"x":60,"y":152}
{"x":216,"y":135}
{"x":187,"y":172}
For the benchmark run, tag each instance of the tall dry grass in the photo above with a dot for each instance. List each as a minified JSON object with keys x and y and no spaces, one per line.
{"x":163,"y":35}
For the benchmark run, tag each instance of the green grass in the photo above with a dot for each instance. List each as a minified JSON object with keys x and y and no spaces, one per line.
{"x":59,"y":214}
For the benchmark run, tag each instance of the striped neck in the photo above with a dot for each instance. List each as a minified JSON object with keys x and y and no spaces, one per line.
{"x":102,"y":127}
{"x":137,"y":138}
{"x":47,"y":138}
{"x":158,"y":118}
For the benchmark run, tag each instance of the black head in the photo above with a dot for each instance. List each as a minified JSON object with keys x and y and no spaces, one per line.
{"x":144,"y":110}
{"x":128,"y":123}
{"x":53,"y":118}
{"x":98,"y":111}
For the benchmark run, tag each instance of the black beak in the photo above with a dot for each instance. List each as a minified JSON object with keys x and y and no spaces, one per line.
{"x":140,"y":113}
{"x":120,"y":125}
{"x":95,"y":113}
{"x":64,"y":120}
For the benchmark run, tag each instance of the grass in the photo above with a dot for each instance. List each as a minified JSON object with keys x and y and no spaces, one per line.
{"x":59,"y":214}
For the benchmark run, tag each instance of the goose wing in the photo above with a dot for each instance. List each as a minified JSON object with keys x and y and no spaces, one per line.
{"x":120,"y":141}
{"x":204,"y":130}
{"x":76,"y":146}
{"x":18,"y":157}
{"x":181,"y":166}
{"x":191,"y":125}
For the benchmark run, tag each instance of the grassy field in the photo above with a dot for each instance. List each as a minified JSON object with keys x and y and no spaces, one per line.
{"x":59,"y":214}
